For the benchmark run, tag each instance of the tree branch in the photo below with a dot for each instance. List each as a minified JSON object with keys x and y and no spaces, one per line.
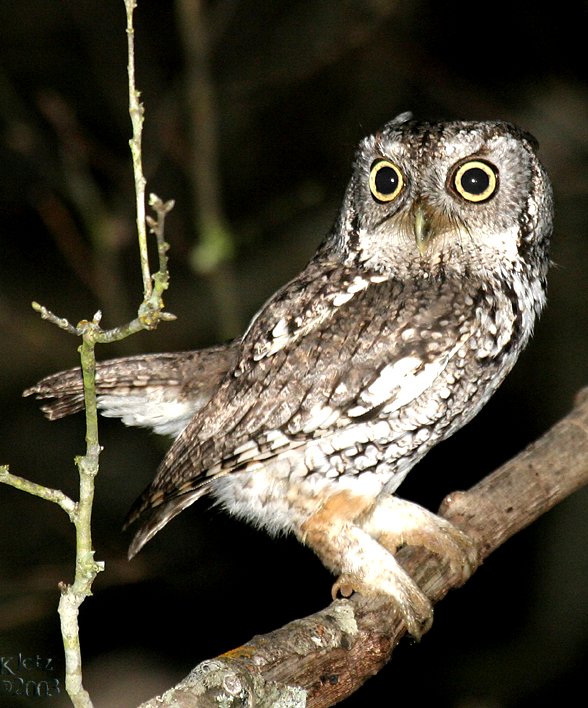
{"x":321,"y":659}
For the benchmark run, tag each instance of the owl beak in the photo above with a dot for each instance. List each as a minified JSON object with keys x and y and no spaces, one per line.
{"x":422,"y":229}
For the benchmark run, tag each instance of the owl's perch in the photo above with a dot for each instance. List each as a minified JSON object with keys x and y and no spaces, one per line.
{"x":321,"y":659}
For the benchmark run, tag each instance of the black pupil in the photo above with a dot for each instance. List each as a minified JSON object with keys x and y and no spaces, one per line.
{"x":386,"y":180}
{"x":475,"y":181}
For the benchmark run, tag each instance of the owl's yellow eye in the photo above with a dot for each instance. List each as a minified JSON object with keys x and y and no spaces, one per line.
{"x":476,"y":180}
{"x":386,"y":181}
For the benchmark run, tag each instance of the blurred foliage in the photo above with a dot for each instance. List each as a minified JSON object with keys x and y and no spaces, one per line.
{"x":289,"y":89}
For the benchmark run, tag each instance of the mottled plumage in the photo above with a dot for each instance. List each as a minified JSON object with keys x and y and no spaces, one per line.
{"x":397,"y":332}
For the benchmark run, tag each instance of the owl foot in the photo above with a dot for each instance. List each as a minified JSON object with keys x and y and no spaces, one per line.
{"x":361,"y":562}
{"x":395,"y":522}
{"x":405,"y":595}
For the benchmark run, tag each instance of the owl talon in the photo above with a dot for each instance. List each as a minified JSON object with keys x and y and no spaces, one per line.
{"x":342,"y":586}
{"x":404,"y":594}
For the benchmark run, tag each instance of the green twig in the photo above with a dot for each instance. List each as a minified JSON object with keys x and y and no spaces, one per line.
{"x":136,"y":112}
{"x":53,"y":495}
{"x":150,"y":313}
{"x":87,"y":568}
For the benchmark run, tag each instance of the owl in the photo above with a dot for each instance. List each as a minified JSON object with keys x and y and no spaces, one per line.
{"x":404,"y":323}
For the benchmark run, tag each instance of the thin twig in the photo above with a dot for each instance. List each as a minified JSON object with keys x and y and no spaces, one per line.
{"x":136,"y":112}
{"x":150,"y":313}
{"x":56,"y":496}
{"x":72,"y":596}
{"x":60,"y":322}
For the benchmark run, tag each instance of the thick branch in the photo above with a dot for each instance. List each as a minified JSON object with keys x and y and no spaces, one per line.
{"x":321,"y":659}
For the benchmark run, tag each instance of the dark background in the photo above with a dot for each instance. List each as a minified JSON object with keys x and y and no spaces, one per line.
{"x":296,"y":84}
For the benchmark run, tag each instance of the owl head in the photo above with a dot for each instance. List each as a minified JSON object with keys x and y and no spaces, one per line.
{"x":449,"y":196}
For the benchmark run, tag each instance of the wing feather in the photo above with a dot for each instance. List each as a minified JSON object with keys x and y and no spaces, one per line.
{"x":162,"y":391}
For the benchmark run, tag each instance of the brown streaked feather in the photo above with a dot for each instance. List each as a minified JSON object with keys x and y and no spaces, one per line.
{"x":179,"y":373}
{"x":160,"y":515}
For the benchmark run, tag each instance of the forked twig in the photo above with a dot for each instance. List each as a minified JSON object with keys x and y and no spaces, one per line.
{"x":150,"y":313}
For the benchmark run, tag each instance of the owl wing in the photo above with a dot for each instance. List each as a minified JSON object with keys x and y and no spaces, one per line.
{"x":328,"y":350}
{"x":161,"y":391}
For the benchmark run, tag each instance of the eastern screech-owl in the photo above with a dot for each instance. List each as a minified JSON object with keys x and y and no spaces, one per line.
{"x":411,"y":313}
